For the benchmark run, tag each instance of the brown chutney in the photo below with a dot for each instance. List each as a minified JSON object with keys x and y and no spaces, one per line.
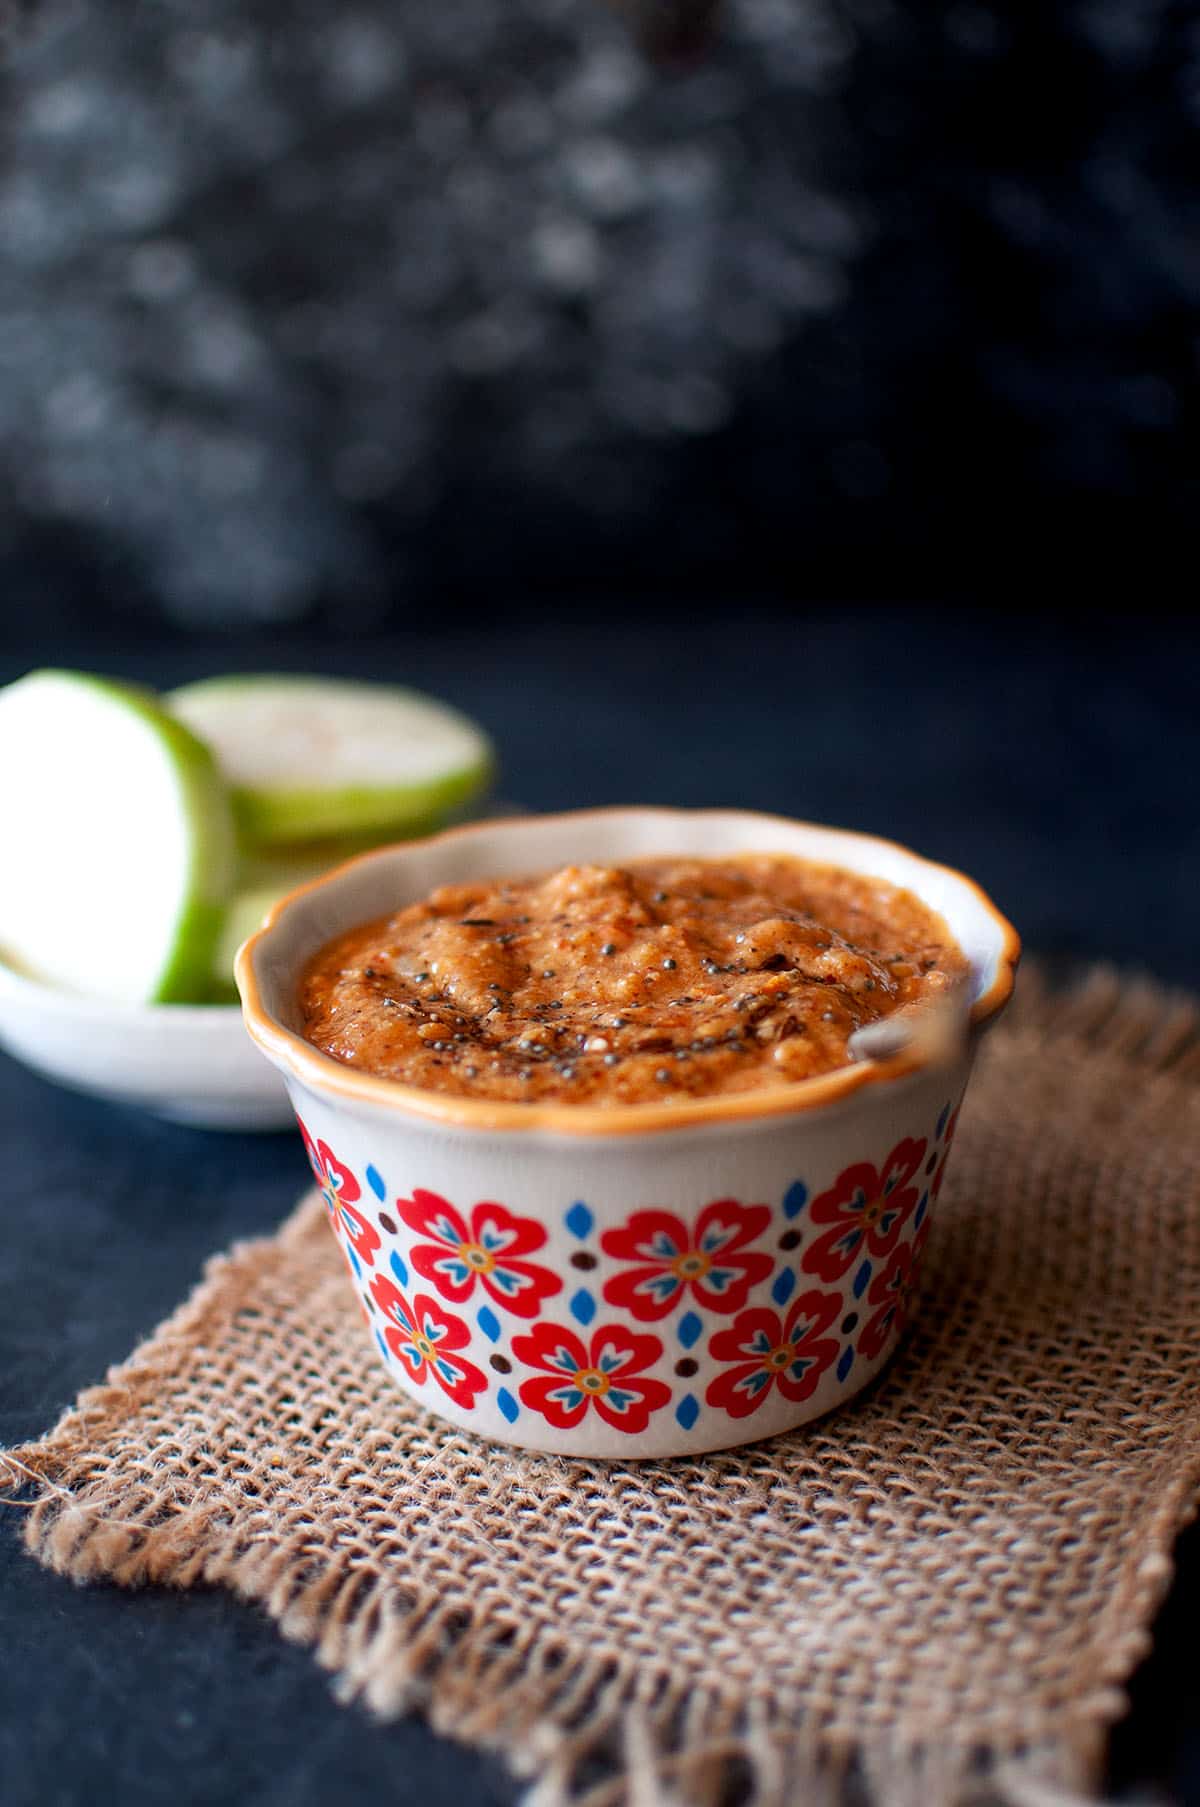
{"x":613,"y":985}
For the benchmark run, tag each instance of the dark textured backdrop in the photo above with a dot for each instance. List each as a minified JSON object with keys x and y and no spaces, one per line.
{"x":464,"y":318}
{"x":332,"y":310}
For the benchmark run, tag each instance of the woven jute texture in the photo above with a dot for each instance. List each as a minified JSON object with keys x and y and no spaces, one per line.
{"x":932,"y":1597}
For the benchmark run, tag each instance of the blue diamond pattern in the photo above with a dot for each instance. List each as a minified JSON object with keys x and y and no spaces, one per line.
{"x":375,"y":1182}
{"x":689,"y":1329}
{"x":399,"y":1269}
{"x":921,"y":1209}
{"x":795,"y":1199}
{"x":583,"y":1306}
{"x":355,"y":1263}
{"x":784,"y":1287}
{"x":846,"y":1362}
{"x":507,"y":1404}
{"x":487,"y":1321}
{"x":383,"y":1348}
{"x":687,"y":1411}
{"x":861,"y":1278}
{"x":579,"y":1220}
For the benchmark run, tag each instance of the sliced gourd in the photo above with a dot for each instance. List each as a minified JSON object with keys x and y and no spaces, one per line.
{"x":118,"y":841}
{"x":263,"y":878}
{"x":244,"y":916}
{"x":311,"y":757}
{"x":280,"y":869}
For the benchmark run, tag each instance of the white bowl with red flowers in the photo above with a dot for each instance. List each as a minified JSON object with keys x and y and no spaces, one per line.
{"x":630,"y":1281}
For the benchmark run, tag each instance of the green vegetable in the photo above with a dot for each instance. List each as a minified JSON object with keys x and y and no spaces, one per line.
{"x":118,"y":837}
{"x":309,"y":758}
{"x":263,"y":878}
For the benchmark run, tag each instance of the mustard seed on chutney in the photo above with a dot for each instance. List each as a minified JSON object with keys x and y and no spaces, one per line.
{"x":627,"y":984}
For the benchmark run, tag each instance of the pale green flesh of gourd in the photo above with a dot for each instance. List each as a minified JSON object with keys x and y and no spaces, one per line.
{"x":313,"y":758}
{"x":118,"y":841}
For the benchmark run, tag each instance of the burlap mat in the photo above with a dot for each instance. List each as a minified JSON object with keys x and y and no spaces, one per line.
{"x":935,"y":1595}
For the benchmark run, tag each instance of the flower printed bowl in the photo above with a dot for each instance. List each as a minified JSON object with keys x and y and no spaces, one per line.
{"x":639,"y":1280}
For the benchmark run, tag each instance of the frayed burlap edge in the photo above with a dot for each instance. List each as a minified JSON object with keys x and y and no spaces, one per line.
{"x":604,"y":1732}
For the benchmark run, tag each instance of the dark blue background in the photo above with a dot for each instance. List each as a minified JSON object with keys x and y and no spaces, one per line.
{"x":1055,"y":758}
{"x":868,"y":299}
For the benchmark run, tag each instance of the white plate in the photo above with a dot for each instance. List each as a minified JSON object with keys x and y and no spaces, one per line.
{"x":191,"y":1063}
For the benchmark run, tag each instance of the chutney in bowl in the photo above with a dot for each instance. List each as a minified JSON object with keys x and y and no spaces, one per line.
{"x":679,"y":1271}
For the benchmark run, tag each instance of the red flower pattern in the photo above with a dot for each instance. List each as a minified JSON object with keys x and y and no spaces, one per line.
{"x":606,"y":1374}
{"x":489,"y":1250}
{"x":339,"y":1189}
{"x":427,"y":1339}
{"x":893,"y":1292}
{"x":668,"y":1260}
{"x":864,"y":1208}
{"x":765,"y":1351}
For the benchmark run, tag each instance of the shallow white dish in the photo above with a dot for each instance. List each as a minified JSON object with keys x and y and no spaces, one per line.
{"x":190,"y":1063}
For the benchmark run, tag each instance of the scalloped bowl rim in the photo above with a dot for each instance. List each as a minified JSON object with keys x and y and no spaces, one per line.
{"x":264,"y":971}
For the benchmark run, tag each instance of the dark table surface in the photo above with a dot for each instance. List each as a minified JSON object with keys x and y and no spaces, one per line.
{"x":1055,"y":761}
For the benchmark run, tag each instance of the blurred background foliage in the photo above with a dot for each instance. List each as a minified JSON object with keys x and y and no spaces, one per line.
{"x":318,"y":314}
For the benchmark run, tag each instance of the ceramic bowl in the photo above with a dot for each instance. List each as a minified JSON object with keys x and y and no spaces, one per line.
{"x":190,"y":1063}
{"x":644,"y":1281}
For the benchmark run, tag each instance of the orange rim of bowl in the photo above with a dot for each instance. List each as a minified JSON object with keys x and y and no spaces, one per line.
{"x":322,"y":1073}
